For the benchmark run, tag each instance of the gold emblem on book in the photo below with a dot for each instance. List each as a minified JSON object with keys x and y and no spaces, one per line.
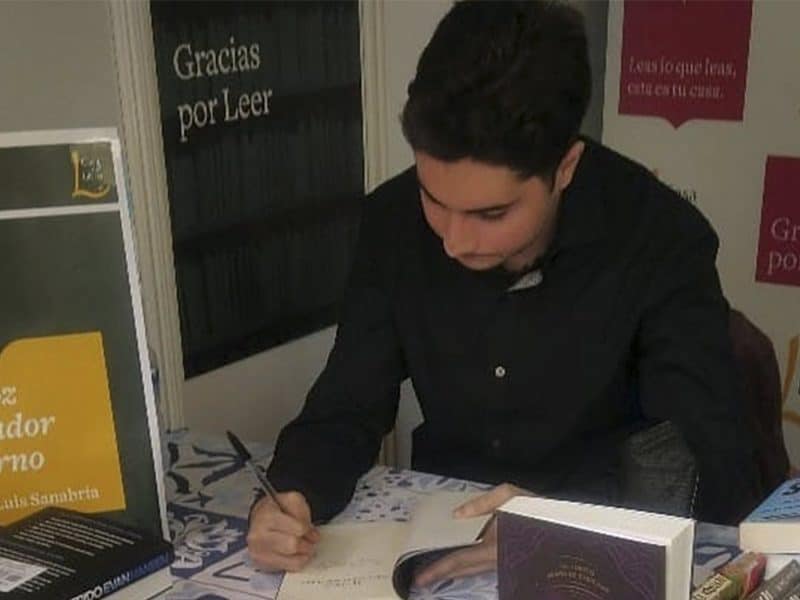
{"x":88,"y":178}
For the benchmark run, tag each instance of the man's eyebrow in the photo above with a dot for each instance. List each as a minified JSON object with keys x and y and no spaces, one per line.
{"x":473,"y":211}
{"x":433,"y":198}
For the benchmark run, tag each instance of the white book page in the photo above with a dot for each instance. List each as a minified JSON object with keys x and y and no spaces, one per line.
{"x":353,"y":561}
{"x":434,"y":526}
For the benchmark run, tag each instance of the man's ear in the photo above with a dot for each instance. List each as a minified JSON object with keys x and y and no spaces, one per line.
{"x":568,"y":165}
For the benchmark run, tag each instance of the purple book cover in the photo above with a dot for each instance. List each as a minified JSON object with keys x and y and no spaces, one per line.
{"x":548,"y":561}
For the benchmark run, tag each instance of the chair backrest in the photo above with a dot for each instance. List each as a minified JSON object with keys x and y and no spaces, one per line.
{"x":761,"y":381}
{"x":658,"y":472}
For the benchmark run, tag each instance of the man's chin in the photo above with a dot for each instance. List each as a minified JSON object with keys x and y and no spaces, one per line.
{"x":479,"y":263}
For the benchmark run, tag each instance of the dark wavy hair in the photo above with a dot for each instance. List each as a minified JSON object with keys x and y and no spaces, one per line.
{"x":501,"y":82}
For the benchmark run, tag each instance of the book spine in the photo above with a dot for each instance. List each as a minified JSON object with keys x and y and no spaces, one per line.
{"x":717,"y":587}
{"x":126,"y":577}
{"x":777,"y":587}
{"x":747,"y":570}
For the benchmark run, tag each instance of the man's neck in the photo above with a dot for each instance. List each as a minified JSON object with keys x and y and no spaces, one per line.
{"x":527,"y":259}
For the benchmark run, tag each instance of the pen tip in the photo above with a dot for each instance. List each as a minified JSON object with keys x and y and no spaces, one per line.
{"x":238,"y":446}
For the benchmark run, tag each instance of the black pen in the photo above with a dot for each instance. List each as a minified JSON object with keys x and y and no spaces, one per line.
{"x":260,"y":476}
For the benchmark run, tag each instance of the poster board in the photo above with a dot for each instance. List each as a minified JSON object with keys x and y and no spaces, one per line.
{"x":706,"y":95}
{"x":78,"y":421}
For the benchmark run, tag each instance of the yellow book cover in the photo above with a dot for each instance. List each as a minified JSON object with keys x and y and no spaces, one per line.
{"x":57,"y":437}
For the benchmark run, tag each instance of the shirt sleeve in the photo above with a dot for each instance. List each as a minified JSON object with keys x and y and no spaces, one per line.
{"x":687,"y":374}
{"x":353,"y":403}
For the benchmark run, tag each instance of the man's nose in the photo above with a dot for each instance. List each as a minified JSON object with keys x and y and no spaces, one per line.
{"x":459,"y":237}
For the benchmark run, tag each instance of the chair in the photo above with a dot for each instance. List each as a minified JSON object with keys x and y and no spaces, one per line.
{"x":761,"y":382}
{"x":658,"y":470}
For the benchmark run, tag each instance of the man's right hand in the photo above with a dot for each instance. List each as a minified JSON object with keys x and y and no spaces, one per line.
{"x":279,"y":541}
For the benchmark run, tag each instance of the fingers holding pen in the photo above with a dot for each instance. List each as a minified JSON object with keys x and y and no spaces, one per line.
{"x":282,"y":539}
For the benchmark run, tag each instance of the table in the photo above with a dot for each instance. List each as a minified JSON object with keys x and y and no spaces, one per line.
{"x":209,"y":494}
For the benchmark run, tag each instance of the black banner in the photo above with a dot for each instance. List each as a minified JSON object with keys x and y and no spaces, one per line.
{"x":261,"y":120}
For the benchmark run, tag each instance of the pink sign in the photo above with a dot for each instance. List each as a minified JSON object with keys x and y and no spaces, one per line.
{"x":685,"y":59}
{"x":779,"y":241}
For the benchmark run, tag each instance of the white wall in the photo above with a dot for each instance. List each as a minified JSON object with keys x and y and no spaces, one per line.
{"x":595,"y":13}
{"x":55,"y":66}
{"x":258,"y":395}
{"x":408,"y":25}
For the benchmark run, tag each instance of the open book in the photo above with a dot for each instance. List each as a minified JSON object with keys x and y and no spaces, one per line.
{"x":373,"y":561}
{"x":557,"y":549}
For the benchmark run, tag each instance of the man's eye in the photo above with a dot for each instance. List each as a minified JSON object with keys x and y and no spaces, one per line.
{"x":493,"y":215}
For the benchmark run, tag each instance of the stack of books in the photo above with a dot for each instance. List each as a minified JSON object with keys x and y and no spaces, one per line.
{"x":773,"y":528}
{"x":727,"y":585}
{"x":736,"y":580}
{"x":784,"y":585}
{"x":769,"y":568}
{"x":61,"y":554}
{"x":555,"y":549}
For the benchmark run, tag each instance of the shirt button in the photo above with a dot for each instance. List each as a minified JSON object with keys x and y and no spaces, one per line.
{"x":499,"y":371}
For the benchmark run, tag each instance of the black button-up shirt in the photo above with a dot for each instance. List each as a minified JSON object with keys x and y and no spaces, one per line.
{"x":622,"y":321}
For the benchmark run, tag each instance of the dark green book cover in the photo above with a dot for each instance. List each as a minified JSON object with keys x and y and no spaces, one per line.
{"x":70,"y":279}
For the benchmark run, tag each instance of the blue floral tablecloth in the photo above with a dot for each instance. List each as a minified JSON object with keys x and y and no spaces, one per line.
{"x":209,"y":493}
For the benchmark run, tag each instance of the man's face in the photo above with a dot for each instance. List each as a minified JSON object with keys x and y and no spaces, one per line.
{"x":488,"y":215}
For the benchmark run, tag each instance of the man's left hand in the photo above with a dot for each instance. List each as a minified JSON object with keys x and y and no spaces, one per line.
{"x":481,"y":557}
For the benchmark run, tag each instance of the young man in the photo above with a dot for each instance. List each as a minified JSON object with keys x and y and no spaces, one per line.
{"x":545,"y":295}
